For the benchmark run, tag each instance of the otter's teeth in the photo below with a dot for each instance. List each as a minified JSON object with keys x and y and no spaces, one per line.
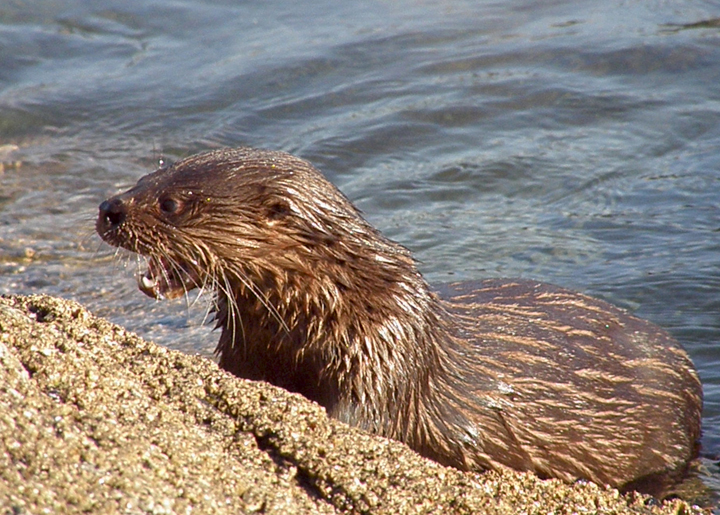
{"x":148,"y":282}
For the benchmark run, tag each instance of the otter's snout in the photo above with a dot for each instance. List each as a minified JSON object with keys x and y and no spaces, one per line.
{"x":111,"y":216}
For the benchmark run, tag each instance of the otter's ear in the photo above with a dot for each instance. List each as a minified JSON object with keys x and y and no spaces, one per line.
{"x":278,"y":209}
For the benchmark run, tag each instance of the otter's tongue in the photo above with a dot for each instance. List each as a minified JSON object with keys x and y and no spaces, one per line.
{"x":162,"y":281}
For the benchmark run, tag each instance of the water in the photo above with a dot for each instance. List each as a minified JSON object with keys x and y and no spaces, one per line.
{"x":571,"y":142}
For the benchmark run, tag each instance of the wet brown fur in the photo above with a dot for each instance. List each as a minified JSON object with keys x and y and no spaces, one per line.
{"x":491,"y":374}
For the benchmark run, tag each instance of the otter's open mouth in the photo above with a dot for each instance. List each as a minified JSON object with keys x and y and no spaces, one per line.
{"x":164,"y":280}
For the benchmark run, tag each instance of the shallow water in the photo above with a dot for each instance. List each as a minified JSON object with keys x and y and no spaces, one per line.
{"x":571,"y":142}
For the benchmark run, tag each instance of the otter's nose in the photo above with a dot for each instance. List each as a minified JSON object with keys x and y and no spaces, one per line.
{"x":112,"y":215}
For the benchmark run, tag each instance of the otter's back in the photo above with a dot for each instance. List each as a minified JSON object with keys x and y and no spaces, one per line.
{"x":584,"y":388}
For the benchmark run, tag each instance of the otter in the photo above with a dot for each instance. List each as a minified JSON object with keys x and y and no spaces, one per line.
{"x":493,"y":374}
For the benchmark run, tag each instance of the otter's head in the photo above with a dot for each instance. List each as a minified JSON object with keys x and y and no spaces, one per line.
{"x":261,"y":216}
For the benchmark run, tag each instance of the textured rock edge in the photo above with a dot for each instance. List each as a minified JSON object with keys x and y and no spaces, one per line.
{"x":94,"y":419}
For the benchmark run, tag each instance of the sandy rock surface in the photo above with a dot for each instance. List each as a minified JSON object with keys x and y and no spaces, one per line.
{"x":94,"y":419}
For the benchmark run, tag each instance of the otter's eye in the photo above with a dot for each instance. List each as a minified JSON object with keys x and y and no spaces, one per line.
{"x":169,"y":206}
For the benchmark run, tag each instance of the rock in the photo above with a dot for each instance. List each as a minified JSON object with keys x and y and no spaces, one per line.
{"x":94,"y":419}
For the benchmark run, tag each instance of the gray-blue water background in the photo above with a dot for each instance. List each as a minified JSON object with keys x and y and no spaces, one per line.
{"x":574,"y":142}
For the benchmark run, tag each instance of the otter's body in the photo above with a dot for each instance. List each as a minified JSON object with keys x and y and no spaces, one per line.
{"x":496,"y":374}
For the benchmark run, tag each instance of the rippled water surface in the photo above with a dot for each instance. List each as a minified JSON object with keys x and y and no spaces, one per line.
{"x":573,"y":142}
